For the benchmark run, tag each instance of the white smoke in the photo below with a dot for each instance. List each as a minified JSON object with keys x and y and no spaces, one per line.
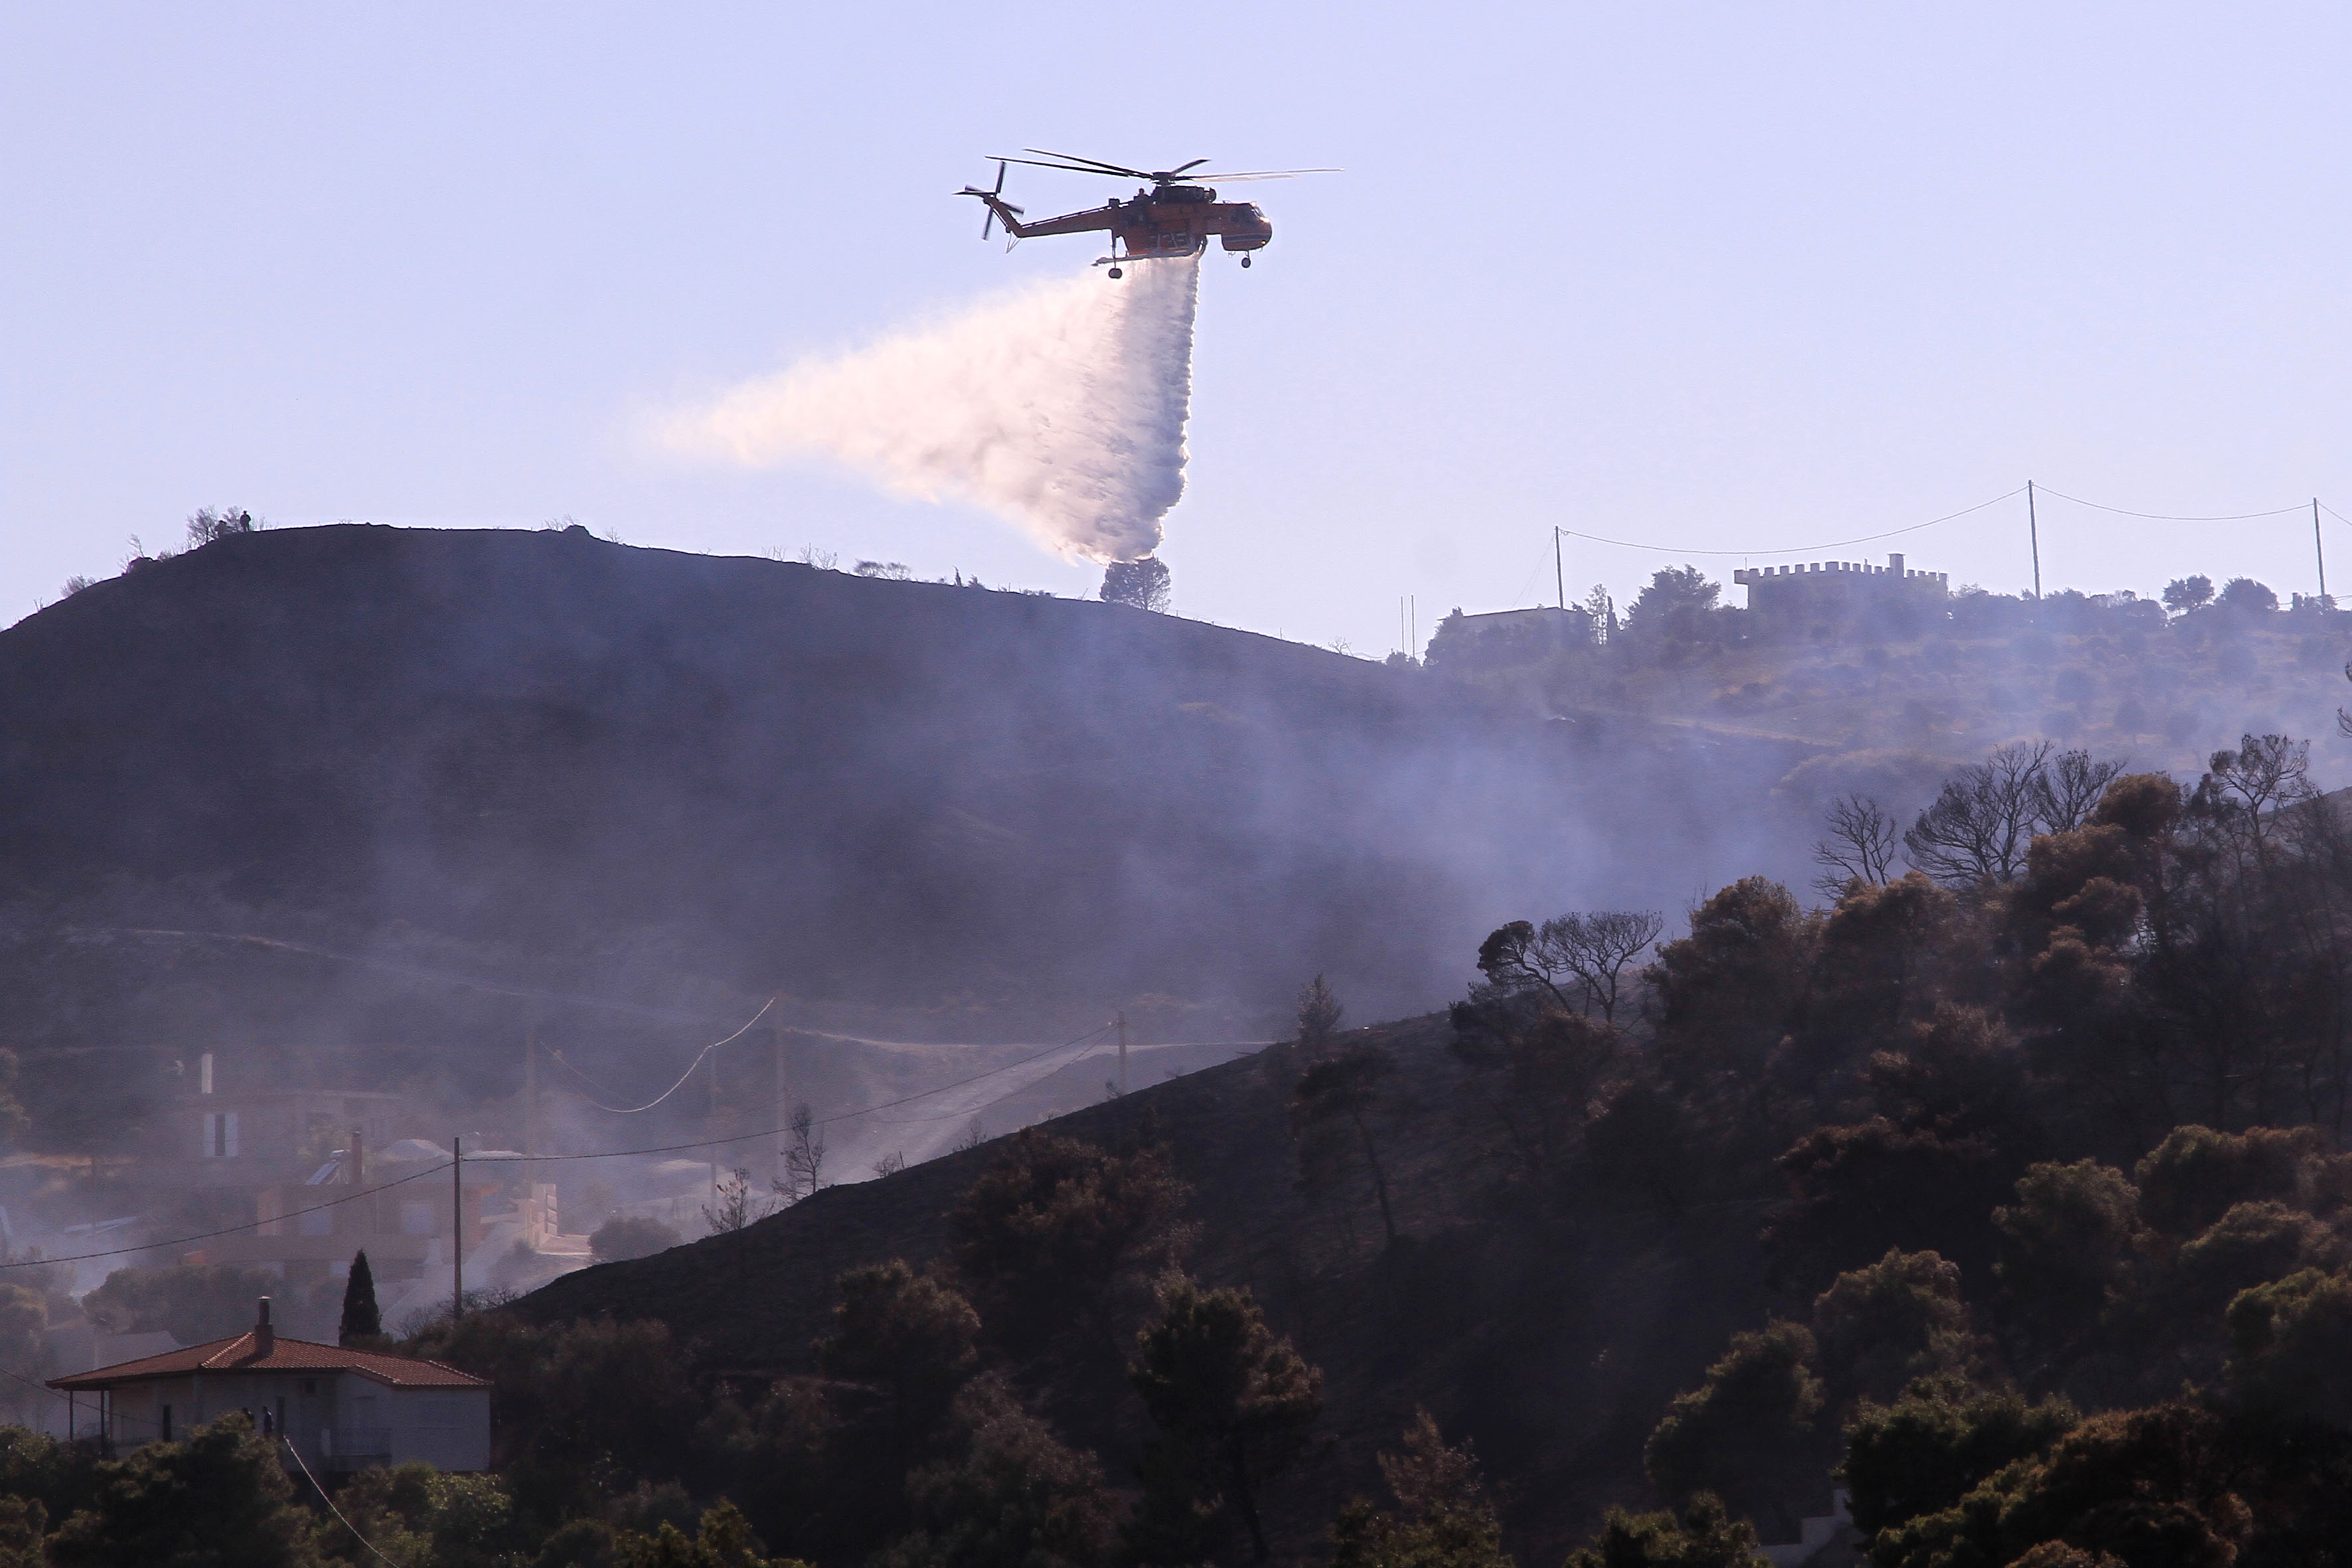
{"x":1060,"y":407}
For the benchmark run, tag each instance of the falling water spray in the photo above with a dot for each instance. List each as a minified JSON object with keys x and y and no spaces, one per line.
{"x":1060,"y":407}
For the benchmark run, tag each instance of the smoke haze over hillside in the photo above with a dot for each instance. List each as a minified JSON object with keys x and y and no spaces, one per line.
{"x":1060,"y":407}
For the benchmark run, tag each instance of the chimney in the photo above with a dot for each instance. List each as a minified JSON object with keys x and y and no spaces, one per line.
{"x":359,"y":1158}
{"x":204,"y":1073}
{"x":265,"y":1338}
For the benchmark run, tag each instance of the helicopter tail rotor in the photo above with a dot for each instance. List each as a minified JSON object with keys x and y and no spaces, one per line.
{"x":993,"y":200}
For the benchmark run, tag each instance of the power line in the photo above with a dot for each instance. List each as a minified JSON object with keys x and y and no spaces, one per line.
{"x":1802,"y":549}
{"x":2168,"y":517}
{"x":673,"y":1088}
{"x":1088,"y":1037}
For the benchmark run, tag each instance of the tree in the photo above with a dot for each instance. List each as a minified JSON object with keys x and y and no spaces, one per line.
{"x":1706,"y":1536}
{"x":219,"y":1500}
{"x":1675,"y":605}
{"x":1932,"y":1447}
{"x":2251,"y":785}
{"x":1977,"y":829}
{"x":1747,"y":1433}
{"x":2290,"y":1346}
{"x":1143,"y":583}
{"x":1443,"y":1517}
{"x":1880,"y":1327}
{"x":803,"y":1157}
{"x":360,"y":1320}
{"x":721,"y":1540}
{"x":2197,"y":1175}
{"x":630,"y":1236}
{"x":1056,"y":1232}
{"x":1729,"y":989}
{"x":2064,"y":1248}
{"x":2246,"y":596}
{"x":730,"y":1209}
{"x":2183,"y":594}
{"x":193,"y":1302}
{"x":1859,"y":845}
{"x":1017,"y":1497}
{"x":210,"y":523}
{"x":1588,"y":950}
{"x":411,"y":1513}
{"x":1319,"y":1012}
{"x":1340,"y":1093}
{"x":1230,"y":1402}
{"x":910,"y":1333}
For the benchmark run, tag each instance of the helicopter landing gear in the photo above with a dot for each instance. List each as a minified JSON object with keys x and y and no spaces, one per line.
{"x":1115,"y":272}
{"x":1244,"y":261}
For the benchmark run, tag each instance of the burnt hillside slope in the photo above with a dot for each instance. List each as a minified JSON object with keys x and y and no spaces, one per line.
{"x":773,"y":775}
{"x":1556,"y":1358}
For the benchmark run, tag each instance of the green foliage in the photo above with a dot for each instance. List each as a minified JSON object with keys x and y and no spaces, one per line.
{"x":24,"y":1527}
{"x":911,"y":1333}
{"x":2250,"y":1245}
{"x":630,"y":1236}
{"x":2290,"y":1346}
{"x":580,"y":1408}
{"x":722,"y":1540}
{"x":1443,"y":1517}
{"x":2151,"y":1488}
{"x":420,"y":1518}
{"x":1857,"y":1190}
{"x":1729,"y":989}
{"x":1230,"y":1402}
{"x":1747,"y":1433}
{"x":193,"y":1302}
{"x":1706,"y":1536}
{"x":1675,"y":605}
{"x":2196,"y":1175}
{"x":219,"y":1500}
{"x":361,"y":1319}
{"x":1926,"y":1451}
{"x":1058,"y":1230}
{"x":1901,"y":1318}
{"x":2066,"y":1247}
{"x":1015,"y":1498}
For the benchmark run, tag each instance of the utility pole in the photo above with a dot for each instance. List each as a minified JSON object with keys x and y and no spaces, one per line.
{"x":458,"y":1229}
{"x":1122,"y":1053}
{"x":784,"y":1111}
{"x":2317,"y":548}
{"x":1558,"y":577}
{"x":2033,"y":532}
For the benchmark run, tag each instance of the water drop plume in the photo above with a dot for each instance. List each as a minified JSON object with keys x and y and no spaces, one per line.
{"x":1060,"y":407}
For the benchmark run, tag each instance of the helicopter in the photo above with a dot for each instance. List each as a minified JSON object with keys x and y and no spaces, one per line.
{"x":1171,"y":220}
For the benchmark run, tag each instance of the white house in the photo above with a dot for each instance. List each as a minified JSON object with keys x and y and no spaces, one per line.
{"x":339,"y":1409}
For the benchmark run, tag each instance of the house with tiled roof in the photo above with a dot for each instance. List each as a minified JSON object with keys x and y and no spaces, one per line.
{"x":339,"y":1409}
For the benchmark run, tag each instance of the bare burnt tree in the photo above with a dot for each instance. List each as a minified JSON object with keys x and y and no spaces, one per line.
{"x":1578,"y":960}
{"x":803,"y":1157}
{"x":2070,"y":787}
{"x":2254,"y":783}
{"x":1597,"y":947}
{"x":1860,"y":845}
{"x":1978,"y":828}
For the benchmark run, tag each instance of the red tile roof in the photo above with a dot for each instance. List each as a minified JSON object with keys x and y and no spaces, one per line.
{"x":243,"y":1354}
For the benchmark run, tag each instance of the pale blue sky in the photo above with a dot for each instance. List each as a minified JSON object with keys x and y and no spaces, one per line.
{"x":1736,"y":277}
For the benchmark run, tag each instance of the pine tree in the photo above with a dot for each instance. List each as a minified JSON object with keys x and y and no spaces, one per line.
{"x":361,"y":1319}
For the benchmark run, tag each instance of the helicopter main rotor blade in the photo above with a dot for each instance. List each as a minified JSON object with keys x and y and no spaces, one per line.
{"x":1180,"y":168}
{"x":1093,"y":163}
{"x":1265,"y":174}
{"x":1080,"y":169}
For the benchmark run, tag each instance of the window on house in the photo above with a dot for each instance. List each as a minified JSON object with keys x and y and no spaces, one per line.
{"x":220,"y":1135}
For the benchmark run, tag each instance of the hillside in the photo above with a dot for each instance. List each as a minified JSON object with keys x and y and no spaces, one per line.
{"x":472,"y":773}
{"x":1558,"y":1362}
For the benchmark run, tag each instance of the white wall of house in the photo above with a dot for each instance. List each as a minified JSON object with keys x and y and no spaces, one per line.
{"x":338,"y":1421}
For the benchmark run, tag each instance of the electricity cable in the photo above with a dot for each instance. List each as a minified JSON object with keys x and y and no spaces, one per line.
{"x":553,"y":1159}
{"x":2170,"y":517}
{"x":323,"y":1498}
{"x":700,"y":1055}
{"x":533,"y":993}
{"x":1802,"y":549}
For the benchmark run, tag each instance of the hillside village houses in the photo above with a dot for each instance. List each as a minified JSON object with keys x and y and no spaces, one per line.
{"x":298,"y":1164}
{"x":336,"y":1409}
